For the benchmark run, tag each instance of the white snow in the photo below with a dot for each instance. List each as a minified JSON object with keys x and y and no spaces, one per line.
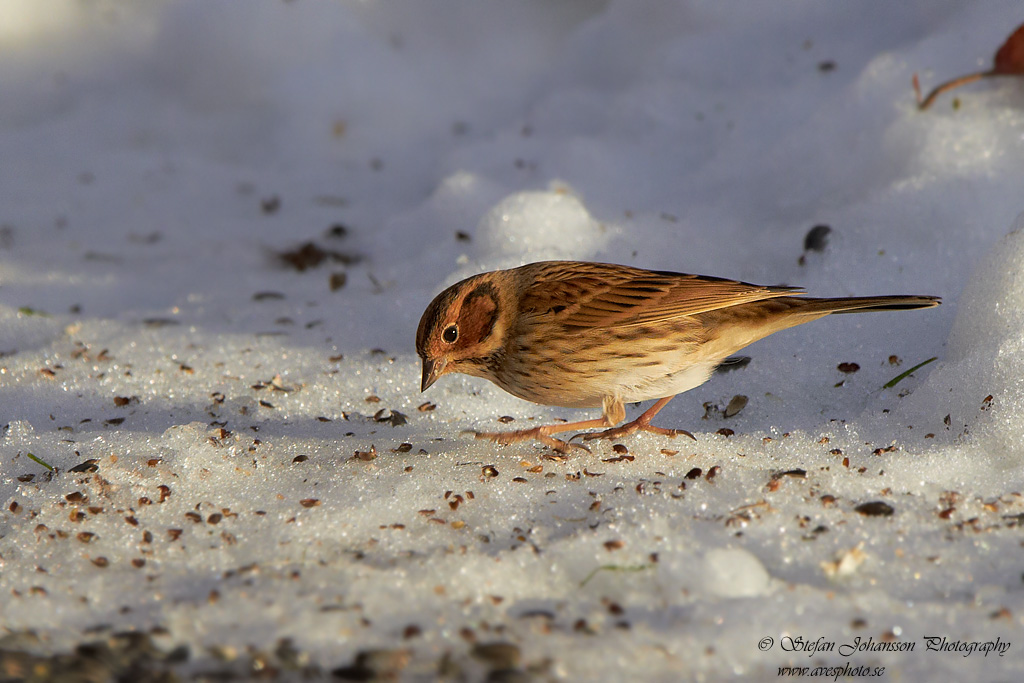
{"x":540,"y":225}
{"x":255,"y":481}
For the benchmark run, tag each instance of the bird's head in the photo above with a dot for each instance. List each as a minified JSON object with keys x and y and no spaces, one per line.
{"x":461,"y":328}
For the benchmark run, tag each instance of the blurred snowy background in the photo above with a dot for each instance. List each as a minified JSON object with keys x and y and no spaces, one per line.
{"x":221,"y":221}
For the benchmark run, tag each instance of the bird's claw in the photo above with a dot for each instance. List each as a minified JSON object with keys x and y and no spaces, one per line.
{"x":627,"y":429}
{"x":567,"y":444}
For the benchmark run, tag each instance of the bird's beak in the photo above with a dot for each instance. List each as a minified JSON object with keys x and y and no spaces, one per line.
{"x":432,"y":369}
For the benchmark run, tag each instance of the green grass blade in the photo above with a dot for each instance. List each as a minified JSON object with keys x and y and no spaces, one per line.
{"x":614,"y":568}
{"x":896,"y":380}
{"x":44,"y":464}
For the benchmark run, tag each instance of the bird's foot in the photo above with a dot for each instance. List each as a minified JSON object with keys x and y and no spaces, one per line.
{"x":537,"y":433}
{"x":637,"y":425}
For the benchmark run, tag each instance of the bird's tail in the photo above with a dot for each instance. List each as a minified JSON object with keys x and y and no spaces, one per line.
{"x":746,"y":323}
{"x":867,"y":303}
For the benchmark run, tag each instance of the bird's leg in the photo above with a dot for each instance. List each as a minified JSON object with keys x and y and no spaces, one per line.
{"x":614,"y":413}
{"x":641,"y":424}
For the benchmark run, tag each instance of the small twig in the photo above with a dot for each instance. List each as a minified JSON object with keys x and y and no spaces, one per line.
{"x":948,"y":85}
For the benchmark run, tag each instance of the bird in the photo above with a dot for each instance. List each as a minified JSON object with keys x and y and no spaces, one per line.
{"x":579,"y":334}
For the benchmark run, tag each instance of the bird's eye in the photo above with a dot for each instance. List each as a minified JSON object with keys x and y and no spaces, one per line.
{"x":450,"y":334}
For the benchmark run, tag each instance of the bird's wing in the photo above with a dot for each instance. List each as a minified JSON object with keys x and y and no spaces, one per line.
{"x":582,"y":294}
